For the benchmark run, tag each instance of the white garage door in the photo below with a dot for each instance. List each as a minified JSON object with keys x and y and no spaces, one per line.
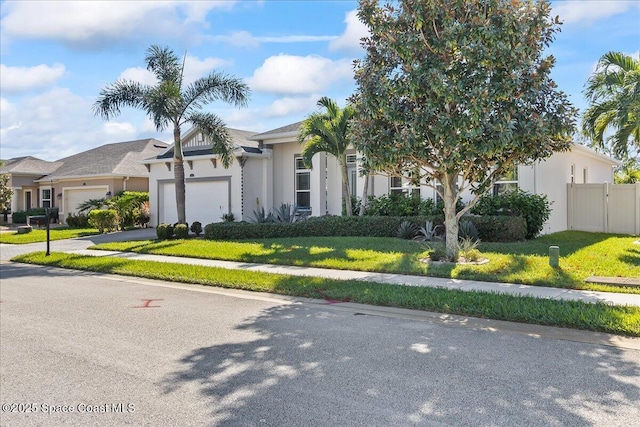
{"x":72,"y":198}
{"x":206,"y":201}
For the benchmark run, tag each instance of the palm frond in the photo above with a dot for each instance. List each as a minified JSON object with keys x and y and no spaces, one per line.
{"x":216,"y":86}
{"x":215,"y":130}
{"x":164,"y":64}
{"x":120,"y":94}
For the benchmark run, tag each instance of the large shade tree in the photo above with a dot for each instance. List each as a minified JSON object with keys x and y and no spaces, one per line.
{"x":5,"y":191}
{"x":327,"y":132}
{"x":171,"y":103}
{"x":613,"y":92}
{"x":457,"y":91}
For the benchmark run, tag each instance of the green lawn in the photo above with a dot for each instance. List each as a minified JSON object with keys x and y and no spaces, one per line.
{"x":36,"y":236}
{"x":582,"y":255}
{"x":571,"y":314}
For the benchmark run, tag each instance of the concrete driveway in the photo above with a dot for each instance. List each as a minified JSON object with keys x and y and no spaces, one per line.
{"x":163,"y":354}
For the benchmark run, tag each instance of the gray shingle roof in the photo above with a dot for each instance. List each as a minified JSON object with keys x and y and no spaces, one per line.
{"x":293,"y":127}
{"x":29,"y":165}
{"x":121,"y":158}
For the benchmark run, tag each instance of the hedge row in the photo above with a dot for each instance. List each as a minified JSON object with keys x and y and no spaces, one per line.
{"x":20,"y":217}
{"x":490,"y":229}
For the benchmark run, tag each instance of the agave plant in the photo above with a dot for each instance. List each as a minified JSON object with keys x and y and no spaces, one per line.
{"x":467,"y":229}
{"x":407,"y":230}
{"x":285,"y":213}
{"x":430,"y":233}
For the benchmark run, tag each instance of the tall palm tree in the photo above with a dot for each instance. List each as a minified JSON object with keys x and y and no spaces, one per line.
{"x":168,"y":103}
{"x":327,"y":132}
{"x":614,"y":93}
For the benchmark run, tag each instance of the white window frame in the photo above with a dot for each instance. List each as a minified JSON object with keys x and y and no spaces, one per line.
{"x":44,"y":199}
{"x":405,"y":185}
{"x":573,"y":173}
{"x":300,"y":171}
{"x":510,"y":184}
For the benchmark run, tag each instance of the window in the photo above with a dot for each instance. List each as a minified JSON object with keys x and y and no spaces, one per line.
{"x":303,"y":185}
{"x":573,"y":173}
{"x":585,"y":175}
{"x":507,"y":182}
{"x":352,"y":175}
{"x":403,"y":184}
{"x":46,"y":198}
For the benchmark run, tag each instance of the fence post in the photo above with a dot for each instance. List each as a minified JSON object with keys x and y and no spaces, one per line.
{"x":606,"y":207}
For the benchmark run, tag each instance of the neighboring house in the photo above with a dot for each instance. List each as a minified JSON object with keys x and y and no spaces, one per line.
{"x":211,"y":190}
{"x":270,"y":170}
{"x":98,"y":173}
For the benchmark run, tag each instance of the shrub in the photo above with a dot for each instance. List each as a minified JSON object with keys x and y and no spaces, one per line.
{"x":400,"y":205}
{"x":20,"y":217}
{"x":77,"y":221}
{"x":467,"y":230}
{"x":228,"y":217}
{"x":510,"y":228}
{"x":104,"y":219}
{"x":181,"y":231}
{"x":534,"y":208}
{"x":142,"y":214}
{"x":164,"y":231}
{"x":430,"y":232}
{"x":407,"y":230}
{"x":196,"y":227}
{"x":128,"y":205}
{"x":468,"y":248}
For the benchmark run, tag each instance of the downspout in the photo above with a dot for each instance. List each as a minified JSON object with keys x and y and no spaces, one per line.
{"x":124,"y":183}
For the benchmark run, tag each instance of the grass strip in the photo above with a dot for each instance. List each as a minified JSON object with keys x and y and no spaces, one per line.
{"x":571,"y":314}
{"x":583,"y":255}
{"x":38,"y":236}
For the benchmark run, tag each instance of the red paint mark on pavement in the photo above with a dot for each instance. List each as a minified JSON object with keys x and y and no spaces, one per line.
{"x":147,"y":303}
{"x":329,"y":300}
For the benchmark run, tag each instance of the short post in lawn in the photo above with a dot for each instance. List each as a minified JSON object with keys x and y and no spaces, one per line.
{"x":554,"y":256}
{"x":47,"y":212}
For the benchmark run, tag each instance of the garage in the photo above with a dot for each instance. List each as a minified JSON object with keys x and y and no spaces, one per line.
{"x":206,"y":201}
{"x":74,"y":197}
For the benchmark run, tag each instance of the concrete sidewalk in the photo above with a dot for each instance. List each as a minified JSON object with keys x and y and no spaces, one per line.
{"x":394,"y":279}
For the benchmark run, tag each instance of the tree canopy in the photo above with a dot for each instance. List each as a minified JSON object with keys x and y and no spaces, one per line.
{"x":171,"y":103}
{"x":613,"y":92}
{"x":457,"y":91}
{"x":5,"y":191}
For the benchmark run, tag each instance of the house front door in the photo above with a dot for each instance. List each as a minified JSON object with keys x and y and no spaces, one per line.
{"x":27,"y":200}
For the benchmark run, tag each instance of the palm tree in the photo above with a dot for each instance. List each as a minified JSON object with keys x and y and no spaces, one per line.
{"x":614,"y":93}
{"x":327,"y":132}
{"x":168,"y":103}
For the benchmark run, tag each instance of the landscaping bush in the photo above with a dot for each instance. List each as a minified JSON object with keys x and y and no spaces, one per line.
{"x":181,"y":231}
{"x":490,"y":229}
{"x":129,"y":206}
{"x":534,"y":208}
{"x":20,"y":217}
{"x":164,"y":231}
{"x":77,"y":221}
{"x":196,"y":227}
{"x":104,"y":219}
{"x":401,"y":205}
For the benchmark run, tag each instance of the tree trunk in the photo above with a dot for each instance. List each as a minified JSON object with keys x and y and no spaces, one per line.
{"x":345,"y":185}
{"x":365,"y":196}
{"x":450,"y":218}
{"x":178,"y":173}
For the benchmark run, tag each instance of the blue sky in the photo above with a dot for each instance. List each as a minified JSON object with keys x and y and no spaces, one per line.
{"x":56,"y":56}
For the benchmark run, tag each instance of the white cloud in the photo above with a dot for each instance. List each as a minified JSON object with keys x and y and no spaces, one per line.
{"x":120,"y":131}
{"x":300,"y":38}
{"x":140,"y":75}
{"x":587,"y":12}
{"x":58,"y":123}
{"x":238,"y":39}
{"x":21,"y":79}
{"x":350,"y":39}
{"x":290,"y":105}
{"x":83,"y":22}
{"x":288,"y":74}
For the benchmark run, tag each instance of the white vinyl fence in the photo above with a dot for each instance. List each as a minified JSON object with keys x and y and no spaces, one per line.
{"x":608,"y":208}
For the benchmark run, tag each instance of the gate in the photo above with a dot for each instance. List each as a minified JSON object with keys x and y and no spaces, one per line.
{"x":607,"y":208}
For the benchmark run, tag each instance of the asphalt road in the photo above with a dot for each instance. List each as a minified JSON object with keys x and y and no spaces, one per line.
{"x":87,"y":344}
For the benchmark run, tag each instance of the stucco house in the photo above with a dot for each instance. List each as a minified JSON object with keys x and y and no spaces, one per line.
{"x":93,"y":174}
{"x":269,"y":171}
